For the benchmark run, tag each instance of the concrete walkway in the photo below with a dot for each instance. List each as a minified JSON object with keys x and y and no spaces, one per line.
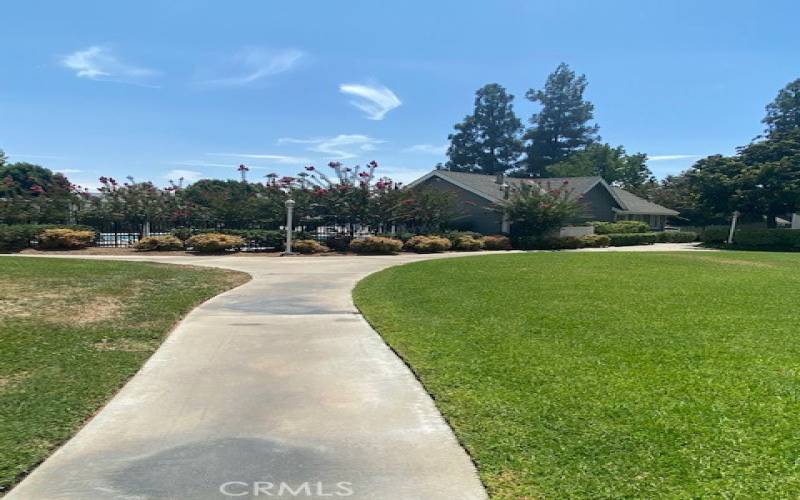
{"x":278,"y":386}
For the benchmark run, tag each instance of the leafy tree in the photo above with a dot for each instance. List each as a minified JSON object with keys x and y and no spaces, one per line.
{"x":783,"y":114}
{"x":562,"y":126}
{"x":3,"y":158}
{"x":612,"y":164}
{"x":487,"y":141}
{"x":536,"y":210}
{"x":425,"y":210}
{"x":675,"y":192}
{"x":31,"y":193}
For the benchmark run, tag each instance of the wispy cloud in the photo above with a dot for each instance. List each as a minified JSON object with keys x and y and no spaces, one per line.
{"x":374,"y":100}
{"x":672,"y":157}
{"x":283,"y":159}
{"x":430,"y":149}
{"x":186,"y":175}
{"x":101,"y":64}
{"x":249,"y":65}
{"x":340,"y":147}
{"x":68,"y":170}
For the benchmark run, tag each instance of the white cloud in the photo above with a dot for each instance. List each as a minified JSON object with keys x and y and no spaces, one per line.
{"x":283,"y":159}
{"x":672,"y":157}
{"x":187,"y":175}
{"x":374,"y":100}
{"x":430,"y":149}
{"x":405,"y":175}
{"x":100,"y":63}
{"x":249,"y":65}
{"x":339,"y":147}
{"x":68,"y":170}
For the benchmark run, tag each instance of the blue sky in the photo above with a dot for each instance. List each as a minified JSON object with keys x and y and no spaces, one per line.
{"x":163,"y":89}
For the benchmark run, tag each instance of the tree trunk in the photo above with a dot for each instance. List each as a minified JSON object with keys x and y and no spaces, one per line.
{"x":771,"y":222}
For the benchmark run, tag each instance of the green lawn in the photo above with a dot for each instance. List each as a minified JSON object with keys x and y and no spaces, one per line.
{"x":71,"y":333}
{"x":608,"y":375}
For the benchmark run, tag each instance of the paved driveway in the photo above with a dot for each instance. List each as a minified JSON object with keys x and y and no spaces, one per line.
{"x":278,"y":386}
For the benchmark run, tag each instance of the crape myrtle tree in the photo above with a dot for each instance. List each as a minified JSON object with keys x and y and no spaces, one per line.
{"x":34,"y":194}
{"x":487,"y":141}
{"x":538,"y":209}
{"x":562,"y":126}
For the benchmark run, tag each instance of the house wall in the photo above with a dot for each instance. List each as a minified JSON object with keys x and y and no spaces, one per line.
{"x":472,"y":211}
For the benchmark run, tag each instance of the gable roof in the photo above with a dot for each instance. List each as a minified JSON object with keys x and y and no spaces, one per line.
{"x":635,"y":205}
{"x":486,"y":187}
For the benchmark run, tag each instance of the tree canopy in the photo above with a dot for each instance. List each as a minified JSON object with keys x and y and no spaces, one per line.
{"x":783,"y":114}
{"x":562,"y":126}
{"x":613,"y":164}
{"x":487,"y":141}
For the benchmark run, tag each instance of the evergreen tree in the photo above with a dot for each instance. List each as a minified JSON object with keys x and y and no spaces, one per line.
{"x":487,"y":141}
{"x":562,"y":126}
{"x":783,"y":114}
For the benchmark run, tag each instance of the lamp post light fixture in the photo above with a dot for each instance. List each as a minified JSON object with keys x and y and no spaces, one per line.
{"x":289,"y":211}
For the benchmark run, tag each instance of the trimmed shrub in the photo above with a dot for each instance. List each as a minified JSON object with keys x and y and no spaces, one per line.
{"x":159,"y":244}
{"x":17,"y":236}
{"x":427,"y":244}
{"x":620,"y":227}
{"x":65,"y":239}
{"x":214,"y":242}
{"x":467,"y":244}
{"x":551,"y":243}
{"x":496,"y":242}
{"x":453,"y":236}
{"x":676,"y":237}
{"x":631,"y":239}
{"x":595,"y":240}
{"x":182,"y":233}
{"x":756,"y":239}
{"x":309,"y":247}
{"x":339,"y":242}
{"x":376,"y":245}
{"x":715,"y":234}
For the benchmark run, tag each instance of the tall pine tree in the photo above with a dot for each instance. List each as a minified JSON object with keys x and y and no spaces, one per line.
{"x":487,"y":141}
{"x":562,"y":126}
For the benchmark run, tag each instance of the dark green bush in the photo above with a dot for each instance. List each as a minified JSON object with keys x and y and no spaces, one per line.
{"x":619,"y":227}
{"x":376,"y":245}
{"x":676,"y":237}
{"x":453,"y":236}
{"x":339,"y":242}
{"x":752,"y":238}
{"x":595,"y":240}
{"x":630,"y":239}
{"x":714,"y":234}
{"x":534,"y":243}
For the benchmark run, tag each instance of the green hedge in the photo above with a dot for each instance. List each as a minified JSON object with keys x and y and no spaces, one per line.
{"x":676,"y":237}
{"x":620,"y":227}
{"x":15,"y":237}
{"x":766,"y":239}
{"x":630,"y":239}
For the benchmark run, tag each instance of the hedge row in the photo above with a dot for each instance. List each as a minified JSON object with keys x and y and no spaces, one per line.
{"x":767,"y":239}
{"x":15,"y":237}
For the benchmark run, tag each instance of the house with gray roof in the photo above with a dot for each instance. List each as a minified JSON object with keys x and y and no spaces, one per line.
{"x":477,"y":194}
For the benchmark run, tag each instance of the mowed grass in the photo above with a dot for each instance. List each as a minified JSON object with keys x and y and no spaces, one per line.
{"x":71,"y":333}
{"x":608,"y":375}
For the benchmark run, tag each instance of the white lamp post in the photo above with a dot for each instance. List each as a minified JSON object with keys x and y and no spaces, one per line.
{"x":289,"y":209}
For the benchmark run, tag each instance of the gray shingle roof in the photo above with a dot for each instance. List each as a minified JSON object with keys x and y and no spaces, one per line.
{"x":486,"y":186}
{"x":635,"y":205}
